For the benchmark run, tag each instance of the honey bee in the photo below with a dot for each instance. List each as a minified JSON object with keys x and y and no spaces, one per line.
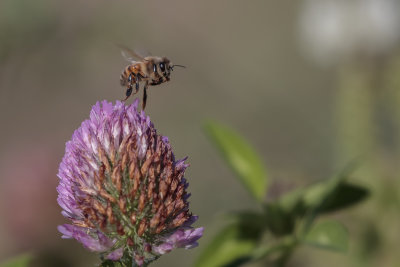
{"x":148,"y":70}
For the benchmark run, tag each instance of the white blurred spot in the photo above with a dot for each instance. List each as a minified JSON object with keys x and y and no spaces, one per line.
{"x":331,"y":30}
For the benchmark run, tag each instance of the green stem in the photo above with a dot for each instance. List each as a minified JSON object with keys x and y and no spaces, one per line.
{"x":283,"y":260}
{"x":288,"y":250}
{"x":285,"y":247}
{"x":354,"y":115}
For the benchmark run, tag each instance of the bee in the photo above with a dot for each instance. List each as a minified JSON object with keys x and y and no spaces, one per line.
{"x":149,"y":71}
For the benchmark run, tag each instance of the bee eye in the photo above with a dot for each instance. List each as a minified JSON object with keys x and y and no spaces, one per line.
{"x":162,"y":67}
{"x":155,"y":68}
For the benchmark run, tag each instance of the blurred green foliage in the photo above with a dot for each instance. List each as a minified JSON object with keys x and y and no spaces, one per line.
{"x":18,"y":261}
{"x":241,"y":157}
{"x":328,"y":235}
{"x":232,"y":245}
{"x":284,"y":223}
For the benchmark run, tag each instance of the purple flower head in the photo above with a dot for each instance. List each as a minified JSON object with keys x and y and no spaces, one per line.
{"x":122,"y":188}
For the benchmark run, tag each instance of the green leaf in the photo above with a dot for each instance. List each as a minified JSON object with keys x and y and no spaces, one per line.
{"x":241,"y":157}
{"x":325,"y":196}
{"x":275,"y":249}
{"x":278,"y":220}
{"x":330,"y":235}
{"x":230,"y":247}
{"x":307,"y":203}
{"x":19,"y":261}
{"x":343,"y":196}
{"x":250,"y":224}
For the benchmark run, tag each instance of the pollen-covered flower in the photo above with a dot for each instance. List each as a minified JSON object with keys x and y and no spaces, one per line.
{"x":122,"y":188}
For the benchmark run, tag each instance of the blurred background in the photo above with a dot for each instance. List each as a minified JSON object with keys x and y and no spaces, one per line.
{"x":311,"y":84}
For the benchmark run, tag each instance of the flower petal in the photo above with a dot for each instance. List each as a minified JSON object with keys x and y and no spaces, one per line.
{"x":82,"y":235}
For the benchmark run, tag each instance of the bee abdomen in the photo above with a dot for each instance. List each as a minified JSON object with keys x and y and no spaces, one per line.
{"x":128,"y":71}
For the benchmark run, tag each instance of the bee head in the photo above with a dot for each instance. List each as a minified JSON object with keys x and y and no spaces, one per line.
{"x":164,"y":67}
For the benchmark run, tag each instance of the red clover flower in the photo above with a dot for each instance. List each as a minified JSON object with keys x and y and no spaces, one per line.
{"x":122,"y":188}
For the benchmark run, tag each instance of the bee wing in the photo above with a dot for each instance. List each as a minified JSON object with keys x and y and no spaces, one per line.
{"x":142,"y":52}
{"x":131,"y":55}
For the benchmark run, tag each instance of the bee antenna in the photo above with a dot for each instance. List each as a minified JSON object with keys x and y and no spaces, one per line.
{"x":179,"y":66}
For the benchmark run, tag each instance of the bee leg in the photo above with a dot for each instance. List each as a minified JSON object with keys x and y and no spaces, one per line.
{"x":144,"y":96}
{"x":128,"y":93}
{"x":137,"y":84}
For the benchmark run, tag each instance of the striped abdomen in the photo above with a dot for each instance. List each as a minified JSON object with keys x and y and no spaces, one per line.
{"x":130,"y":70}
